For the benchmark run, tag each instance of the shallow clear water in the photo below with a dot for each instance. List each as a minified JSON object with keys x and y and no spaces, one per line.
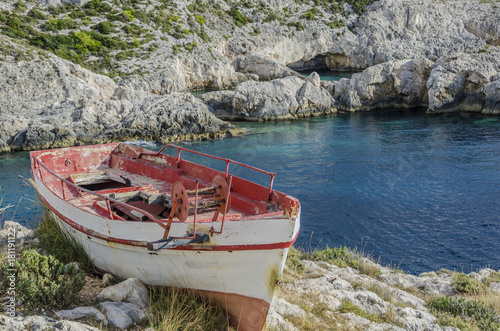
{"x":422,"y":192}
{"x":329,"y":75}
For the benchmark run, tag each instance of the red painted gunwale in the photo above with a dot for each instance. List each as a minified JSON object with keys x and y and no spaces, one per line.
{"x":198,"y":169}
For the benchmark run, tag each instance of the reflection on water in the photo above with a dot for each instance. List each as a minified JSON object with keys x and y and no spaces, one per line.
{"x":419,"y":191}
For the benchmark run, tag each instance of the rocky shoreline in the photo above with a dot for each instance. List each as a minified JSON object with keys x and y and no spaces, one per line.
{"x":314,"y":295}
{"x":443,"y":57}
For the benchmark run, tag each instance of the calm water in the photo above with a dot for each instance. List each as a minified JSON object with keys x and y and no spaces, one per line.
{"x":422,"y":192}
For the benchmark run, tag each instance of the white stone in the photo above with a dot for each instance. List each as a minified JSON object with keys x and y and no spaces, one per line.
{"x":41,"y":323}
{"x":122,"y":314}
{"x":131,"y":290}
{"x":81,"y":312}
{"x":284,"y":308}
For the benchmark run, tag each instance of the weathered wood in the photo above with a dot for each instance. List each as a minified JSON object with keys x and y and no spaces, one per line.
{"x":89,"y":178}
{"x":204,"y":190}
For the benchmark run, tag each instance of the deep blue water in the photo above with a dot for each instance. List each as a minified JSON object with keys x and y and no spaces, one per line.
{"x":421,"y":192}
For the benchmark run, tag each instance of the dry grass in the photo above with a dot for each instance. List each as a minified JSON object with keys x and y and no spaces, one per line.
{"x":174,"y":309}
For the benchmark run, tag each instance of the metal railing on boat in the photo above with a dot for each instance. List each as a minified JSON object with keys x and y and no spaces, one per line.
{"x":228,"y":161}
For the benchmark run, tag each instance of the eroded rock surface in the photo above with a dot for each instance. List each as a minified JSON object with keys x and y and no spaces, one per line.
{"x":466,"y":82}
{"x":394,"y":84}
{"x":50,"y":102}
{"x":285,"y":98}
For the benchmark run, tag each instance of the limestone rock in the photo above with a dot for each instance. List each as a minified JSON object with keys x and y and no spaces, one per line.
{"x":264,"y":67}
{"x":459,"y":83}
{"x":488,"y":27}
{"x":81,"y":312}
{"x":122,"y":314}
{"x":394,"y":84}
{"x":284,"y":98}
{"x":285,"y":308}
{"x":491,"y":92}
{"x":495,"y":287}
{"x":41,"y":323}
{"x":275,"y":321}
{"x":49,"y":102}
{"x":107,"y":279}
{"x":131,"y":290}
{"x":219,"y":103}
{"x":14,"y":230}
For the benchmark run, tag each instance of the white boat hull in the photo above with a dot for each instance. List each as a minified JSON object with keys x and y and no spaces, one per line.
{"x":241,"y":271}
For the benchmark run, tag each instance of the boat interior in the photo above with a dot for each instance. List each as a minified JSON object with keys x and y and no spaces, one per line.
{"x":130,"y":183}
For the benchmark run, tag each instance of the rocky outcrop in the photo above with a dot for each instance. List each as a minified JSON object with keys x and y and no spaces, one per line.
{"x":131,"y":290}
{"x":285,"y":98}
{"x":394,"y":84}
{"x":14,"y":232}
{"x":49,"y":102}
{"x":42,"y":323}
{"x":466,"y":82}
{"x":488,"y":26}
{"x":264,"y":68}
{"x":391,"y":300}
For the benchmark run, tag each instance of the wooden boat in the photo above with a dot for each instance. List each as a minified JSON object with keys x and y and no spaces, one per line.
{"x":171,"y":222}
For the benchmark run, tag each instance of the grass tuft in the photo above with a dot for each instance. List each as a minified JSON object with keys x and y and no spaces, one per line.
{"x":349,"y":307}
{"x":175,"y":309}
{"x":55,"y":241}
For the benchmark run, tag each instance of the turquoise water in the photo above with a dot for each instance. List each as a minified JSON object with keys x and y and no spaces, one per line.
{"x":422,"y":192}
{"x":329,"y":75}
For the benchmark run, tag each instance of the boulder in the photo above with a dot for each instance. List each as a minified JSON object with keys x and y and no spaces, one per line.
{"x":465,"y":82}
{"x":394,"y":84}
{"x":284,"y":308}
{"x":285,"y":98}
{"x":81,"y":312}
{"x":219,"y":103}
{"x":264,"y":67}
{"x":491,"y":92}
{"x":16,"y":231}
{"x":122,"y":314}
{"x":131,"y":290}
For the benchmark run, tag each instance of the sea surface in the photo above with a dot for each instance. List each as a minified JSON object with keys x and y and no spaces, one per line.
{"x":418,"y":192}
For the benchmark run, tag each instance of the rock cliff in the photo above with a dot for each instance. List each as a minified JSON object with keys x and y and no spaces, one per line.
{"x":139,"y":54}
{"x":48,"y":102}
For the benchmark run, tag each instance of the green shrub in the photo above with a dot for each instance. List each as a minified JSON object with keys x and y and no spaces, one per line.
{"x":238,"y":18}
{"x":96,"y":7}
{"x":256,"y":31}
{"x":20,"y":7}
{"x":176,"y":49}
{"x":359,"y":6}
{"x":271,"y":17}
{"x":43,"y":281}
{"x":57,"y":24}
{"x":310,"y":14}
{"x":104,"y":27}
{"x":484,"y":317}
{"x":465,"y":284}
{"x":200,"y":19}
{"x":54,"y":241}
{"x":336,"y":23}
{"x":127,"y":15}
{"x":36,"y":14}
{"x":296,"y":25}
